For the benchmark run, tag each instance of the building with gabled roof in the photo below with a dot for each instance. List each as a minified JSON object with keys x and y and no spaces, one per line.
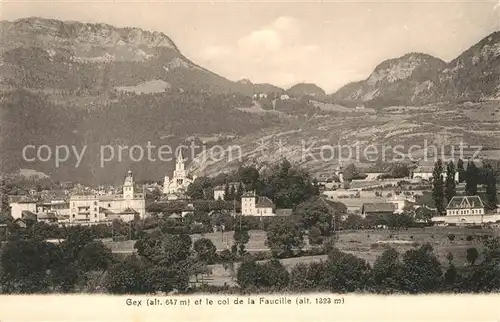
{"x":381,"y":208}
{"x":465,"y":205}
{"x":466,"y":210}
{"x":253,"y":205}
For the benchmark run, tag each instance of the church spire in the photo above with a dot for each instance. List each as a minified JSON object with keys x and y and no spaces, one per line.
{"x":180,"y":162}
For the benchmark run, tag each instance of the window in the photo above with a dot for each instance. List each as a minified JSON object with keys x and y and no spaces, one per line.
{"x":109,"y":205}
{"x":95,"y":216}
{"x":95,"y":203}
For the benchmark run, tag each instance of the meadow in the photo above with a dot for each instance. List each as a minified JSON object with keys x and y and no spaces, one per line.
{"x":365,"y":244}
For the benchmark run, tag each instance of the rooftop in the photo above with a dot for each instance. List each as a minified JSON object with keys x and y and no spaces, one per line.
{"x":264,"y":202}
{"x":465,"y":202}
{"x":378,"y":207}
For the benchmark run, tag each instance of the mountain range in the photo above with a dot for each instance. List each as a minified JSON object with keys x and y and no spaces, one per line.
{"x":82,"y":84}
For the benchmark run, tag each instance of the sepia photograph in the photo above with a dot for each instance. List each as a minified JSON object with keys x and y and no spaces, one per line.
{"x":263,"y":150}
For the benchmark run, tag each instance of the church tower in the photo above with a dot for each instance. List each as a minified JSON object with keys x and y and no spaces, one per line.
{"x":128,"y":186}
{"x":180,"y":171}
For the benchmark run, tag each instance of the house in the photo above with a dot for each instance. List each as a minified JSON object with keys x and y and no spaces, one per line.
{"x":93,"y":208}
{"x":466,"y":210}
{"x":251,"y":205}
{"x":20,"y":223}
{"x":425,"y":170}
{"x":466,"y":205}
{"x":360,"y":107}
{"x":175,"y":217}
{"x":284,"y":97}
{"x":18,"y":204}
{"x":259,"y":96}
{"x":219,"y":191}
{"x":47,"y":217}
{"x":382,"y":208}
{"x":264,"y":207}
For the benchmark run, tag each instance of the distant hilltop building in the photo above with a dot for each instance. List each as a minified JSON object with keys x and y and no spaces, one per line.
{"x":176,"y":186}
{"x":259,"y":96}
{"x":94,"y":208}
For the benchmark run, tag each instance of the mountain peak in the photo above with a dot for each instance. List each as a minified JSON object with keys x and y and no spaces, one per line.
{"x":306,"y":89}
{"x":245,"y":81}
{"x":100,"y":34}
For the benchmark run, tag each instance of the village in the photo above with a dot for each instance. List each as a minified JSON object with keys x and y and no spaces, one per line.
{"x":367,"y":194}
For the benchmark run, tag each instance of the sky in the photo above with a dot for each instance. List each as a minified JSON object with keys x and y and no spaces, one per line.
{"x":284,"y":43}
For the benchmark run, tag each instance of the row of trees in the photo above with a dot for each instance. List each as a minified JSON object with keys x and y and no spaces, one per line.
{"x":443,"y":190}
{"x":416,"y":271}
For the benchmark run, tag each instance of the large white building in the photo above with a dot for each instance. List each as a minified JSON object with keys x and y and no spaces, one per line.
{"x":93,"y":208}
{"x":251,"y":205}
{"x":466,"y":210}
{"x":177,"y":185}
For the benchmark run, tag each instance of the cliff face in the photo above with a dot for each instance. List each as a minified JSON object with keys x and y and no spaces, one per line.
{"x":475,"y":74}
{"x":411,"y":79}
{"x":68,"y":56}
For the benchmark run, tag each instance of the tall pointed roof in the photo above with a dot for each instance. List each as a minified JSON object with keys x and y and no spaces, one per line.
{"x":180,"y":157}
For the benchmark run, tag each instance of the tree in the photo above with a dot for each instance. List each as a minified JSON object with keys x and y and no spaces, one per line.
{"x":288,"y":185}
{"x":315,"y":213}
{"x":76,"y":239}
{"x":241,"y":238}
{"x":26,"y":266}
{"x":423,"y":214}
{"x":239,"y":191}
{"x":283,"y":237}
{"x":350,"y":172}
{"x":273,"y":275}
{"x":127,"y":277}
{"x":461,"y":170}
{"x":437,"y":186}
{"x":386,"y":272}
{"x":485,"y":276}
{"x":450,"y":181}
{"x":315,"y":236}
{"x":353,"y":221}
{"x":95,"y":256}
{"x":165,"y":279}
{"x":205,"y":250}
{"x":421,"y":270}
{"x":472,"y":255}
{"x":491,"y":190}
{"x":201,"y":188}
{"x":248,"y":274}
{"x":451,"y":274}
{"x":250,"y":177}
{"x":227,"y":192}
{"x":227,"y":258}
{"x":164,"y":249}
{"x":308,"y":277}
{"x":232,"y":193}
{"x":471,"y":179}
{"x":345,"y":272}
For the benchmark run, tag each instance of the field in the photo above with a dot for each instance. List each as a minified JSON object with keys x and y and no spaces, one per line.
{"x":366,"y":244}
